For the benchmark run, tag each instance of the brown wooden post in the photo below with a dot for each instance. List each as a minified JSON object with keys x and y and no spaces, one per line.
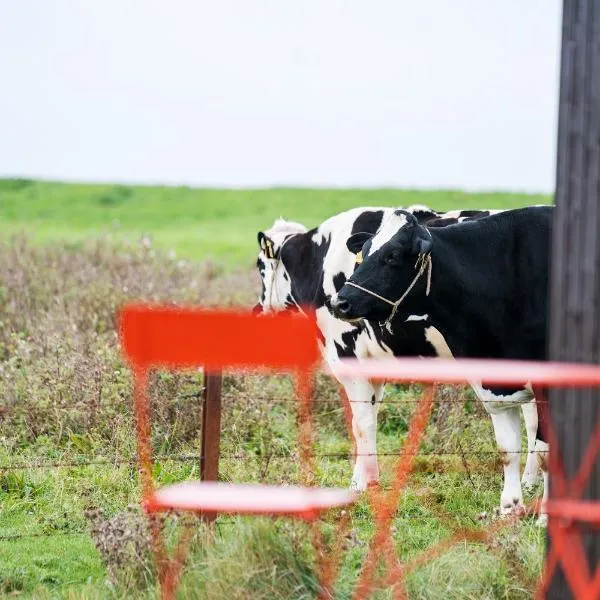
{"x":211,"y":431}
{"x":574,"y":333}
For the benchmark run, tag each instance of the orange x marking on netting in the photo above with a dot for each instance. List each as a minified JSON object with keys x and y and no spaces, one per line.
{"x":382,"y":548}
{"x":385,"y":504}
{"x":566,"y":536}
{"x":567,"y":545}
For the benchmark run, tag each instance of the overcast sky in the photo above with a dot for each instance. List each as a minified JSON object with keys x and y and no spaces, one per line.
{"x":427,"y":93}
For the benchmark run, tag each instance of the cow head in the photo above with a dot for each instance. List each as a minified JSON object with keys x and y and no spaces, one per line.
{"x":276,"y":292}
{"x":388,"y":263}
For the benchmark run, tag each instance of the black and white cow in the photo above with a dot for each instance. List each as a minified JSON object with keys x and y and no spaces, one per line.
{"x":482,"y":285}
{"x":300,"y":267}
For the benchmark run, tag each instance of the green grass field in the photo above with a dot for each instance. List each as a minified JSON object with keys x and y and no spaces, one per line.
{"x":199,"y":223}
{"x":65,"y":396}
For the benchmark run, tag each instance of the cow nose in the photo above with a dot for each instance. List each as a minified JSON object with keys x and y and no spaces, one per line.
{"x":340,"y":306}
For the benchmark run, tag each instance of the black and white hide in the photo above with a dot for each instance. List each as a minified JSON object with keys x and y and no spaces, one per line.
{"x":482,"y":287}
{"x":308,"y":267}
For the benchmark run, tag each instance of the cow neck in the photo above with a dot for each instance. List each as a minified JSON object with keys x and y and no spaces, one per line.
{"x":455,"y":303}
{"x":280,"y":265}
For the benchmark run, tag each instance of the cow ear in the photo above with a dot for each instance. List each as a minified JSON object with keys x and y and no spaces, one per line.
{"x":263,"y":238}
{"x":421,"y":241}
{"x":355,"y":242}
{"x":266,"y":244}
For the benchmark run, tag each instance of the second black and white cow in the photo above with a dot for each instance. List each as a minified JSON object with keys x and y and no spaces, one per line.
{"x":300,"y":267}
{"x":483,"y":286}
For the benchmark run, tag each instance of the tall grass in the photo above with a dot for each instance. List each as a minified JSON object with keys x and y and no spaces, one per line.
{"x":65,"y":395}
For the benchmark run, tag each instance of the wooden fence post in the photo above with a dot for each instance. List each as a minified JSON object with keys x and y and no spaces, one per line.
{"x":574,"y":333}
{"x":211,"y":431}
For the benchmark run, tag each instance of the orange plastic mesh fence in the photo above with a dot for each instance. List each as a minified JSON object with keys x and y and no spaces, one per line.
{"x":179,"y":338}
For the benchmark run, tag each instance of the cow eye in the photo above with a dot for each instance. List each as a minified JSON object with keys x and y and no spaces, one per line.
{"x":393,"y":257}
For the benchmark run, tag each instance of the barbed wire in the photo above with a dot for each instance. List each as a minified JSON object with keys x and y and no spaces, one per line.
{"x":20,"y":536}
{"x":71,"y":413}
{"x":266,"y":456}
{"x":94,"y":462}
{"x":96,"y":409}
{"x":127,"y":405}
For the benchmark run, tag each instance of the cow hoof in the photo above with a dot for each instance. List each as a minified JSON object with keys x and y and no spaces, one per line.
{"x":542,"y":520}
{"x":514,"y":508}
{"x":359,"y":485}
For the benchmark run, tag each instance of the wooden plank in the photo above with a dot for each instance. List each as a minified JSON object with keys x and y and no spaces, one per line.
{"x":574,"y":333}
{"x":211,"y":431}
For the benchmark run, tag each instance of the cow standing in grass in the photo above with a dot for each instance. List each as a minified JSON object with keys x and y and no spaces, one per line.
{"x":306,"y":268}
{"x":483,"y":286}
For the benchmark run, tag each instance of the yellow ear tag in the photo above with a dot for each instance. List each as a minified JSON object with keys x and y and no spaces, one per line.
{"x":270,"y":253}
{"x":359,"y":258}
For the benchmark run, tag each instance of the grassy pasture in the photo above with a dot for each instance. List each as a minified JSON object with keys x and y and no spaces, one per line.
{"x":198,"y":224}
{"x":65,"y":396}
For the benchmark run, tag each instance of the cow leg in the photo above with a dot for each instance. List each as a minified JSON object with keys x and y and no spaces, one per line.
{"x":507,"y":429}
{"x":541,"y":449}
{"x":364,"y":398}
{"x":531,"y":472}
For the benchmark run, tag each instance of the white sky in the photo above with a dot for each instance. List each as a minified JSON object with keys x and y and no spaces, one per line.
{"x":420,"y":93}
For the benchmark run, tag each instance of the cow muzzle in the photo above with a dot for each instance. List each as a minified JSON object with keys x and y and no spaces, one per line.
{"x":341,"y":308}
